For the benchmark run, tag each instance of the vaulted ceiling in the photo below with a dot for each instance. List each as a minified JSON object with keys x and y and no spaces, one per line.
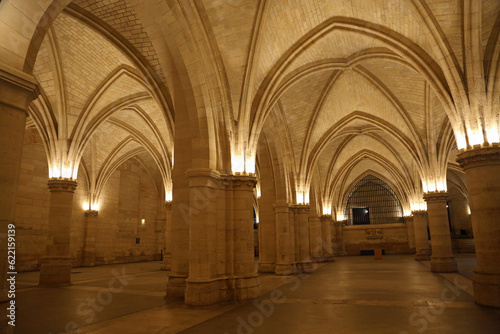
{"x":328,"y":83}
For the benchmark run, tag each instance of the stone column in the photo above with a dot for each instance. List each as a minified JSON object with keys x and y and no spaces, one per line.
{"x":338,"y":238}
{"x":91,"y":218}
{"x":316,"y":248}
{"x":326,"y":227}
{"x":411,"y":232}
{"x":285,"y":240}
{"x":442,"y":259}
{"x":482,"y":174}
{"x":167,"y":256}
{"x":267,"y":237}
{"x":55,"y":269}
{"x":245,"y":273}
{"x":181,"y":208}
{"x":301,"y":213}
{"x":422,"y":247}
{"x":16,"y":93}
{"x":203,"y":285}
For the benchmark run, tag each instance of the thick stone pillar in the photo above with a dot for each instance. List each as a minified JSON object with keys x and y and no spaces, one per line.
{"x":442,"y":259}
{"x":203,"y":285}
{"x":338,"y":238}
{"x":326,"y":227}
{"x":285,"y":240}
{"x":316,"y":248}
{"x":181,"y":208}
{"x":246,"y":281}
{"x":301,"y":213}
{"x":55,"y":269}
{"x":267,"y":243}
{"x":422,"y":247}
{"x":267,"y":238}
{"x":91,"y":218}
{"x":16,"y":93}
{"x":482,"y":174}
{"x":167,"y":256}
{"x":411,"y":232}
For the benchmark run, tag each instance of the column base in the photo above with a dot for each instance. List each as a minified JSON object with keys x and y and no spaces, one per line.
{"x":284,"y":269}
{"x":306,"y":267}
{"x":422,"y":256}
{"x":487,"y":289}
{"x":205,"y":293}
{"x":267,"y":267}
{"x":443,"y":265}
{"x":55,"y":272}
{"x":176,"y":286}
{"x":247,"y":288}
{"x":318,"y":259}
{"x":88,"y":260}
{"x":329,"y":258}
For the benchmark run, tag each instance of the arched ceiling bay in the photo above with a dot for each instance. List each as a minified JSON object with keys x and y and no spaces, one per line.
{"x":97,"y":102}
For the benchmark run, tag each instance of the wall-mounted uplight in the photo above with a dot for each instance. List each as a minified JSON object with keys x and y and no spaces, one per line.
{"x":143,"y":221}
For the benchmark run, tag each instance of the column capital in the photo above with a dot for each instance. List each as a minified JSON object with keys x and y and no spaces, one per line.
{"x":485,"y":156}
{"x":17,"y":89}
{"x":408,"y":218}
{"x":436,"y":197}
{"x":281,"y":207}
{"x":419,"y":213}
{"x":168,"y":204}
{"x":246,"y":182}
{"x":300,"y":208}
{"x":326,"y":218}
{"x":62,"y":185}
{"x":91,"y":213}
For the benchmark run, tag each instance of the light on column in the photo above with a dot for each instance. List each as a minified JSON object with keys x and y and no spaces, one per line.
{"x":168,"y":196}
{"x":492,"y":135}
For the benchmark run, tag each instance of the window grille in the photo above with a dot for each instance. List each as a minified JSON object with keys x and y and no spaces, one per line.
{"x":372,"y":201}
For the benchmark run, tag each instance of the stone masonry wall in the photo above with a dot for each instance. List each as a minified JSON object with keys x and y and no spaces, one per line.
{"x":127,"y":198}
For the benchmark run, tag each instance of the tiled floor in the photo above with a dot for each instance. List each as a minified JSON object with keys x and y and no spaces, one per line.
{"x":351,"y":295}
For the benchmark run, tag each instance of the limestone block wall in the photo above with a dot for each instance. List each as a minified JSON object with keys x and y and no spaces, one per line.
{"x":394,"y":239}
{"x":127,"y":198}
{"x":32,"y":206}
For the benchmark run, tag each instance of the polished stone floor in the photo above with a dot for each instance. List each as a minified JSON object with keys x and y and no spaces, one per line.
{"x":351,"y":295}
